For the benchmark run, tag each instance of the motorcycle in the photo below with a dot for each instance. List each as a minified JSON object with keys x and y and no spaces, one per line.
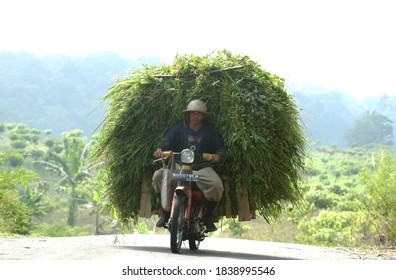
{"x":181,"y":196}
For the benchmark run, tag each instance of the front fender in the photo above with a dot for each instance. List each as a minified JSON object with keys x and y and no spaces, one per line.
{"x":180,"y":189}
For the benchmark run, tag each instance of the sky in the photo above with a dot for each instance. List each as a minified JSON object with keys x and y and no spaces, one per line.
{"x":341,"y":45}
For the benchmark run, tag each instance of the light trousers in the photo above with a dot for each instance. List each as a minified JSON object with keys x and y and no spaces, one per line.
{"x":209,"y":183}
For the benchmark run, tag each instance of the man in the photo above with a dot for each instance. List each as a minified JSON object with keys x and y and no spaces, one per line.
{"x":198,"y":133}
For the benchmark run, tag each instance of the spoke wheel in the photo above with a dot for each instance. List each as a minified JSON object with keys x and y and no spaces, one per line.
{"x":177,"y":224}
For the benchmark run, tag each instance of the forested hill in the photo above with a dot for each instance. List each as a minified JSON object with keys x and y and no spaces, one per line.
{"x":59,"y":93}
{"x":62,"y":93}
{"x":329,"y":115}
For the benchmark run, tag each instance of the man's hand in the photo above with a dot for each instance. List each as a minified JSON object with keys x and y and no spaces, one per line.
{"x":158,"y":153}
{"x":215,"y":158}
{"x":211,"y":157}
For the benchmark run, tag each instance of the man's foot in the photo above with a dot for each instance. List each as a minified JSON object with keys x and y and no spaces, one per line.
{"x":210,"y":207}
{"x":163,"y":220}
{"x":210,"y":226}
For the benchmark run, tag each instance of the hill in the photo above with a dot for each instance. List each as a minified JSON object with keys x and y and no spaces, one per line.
{"x":59,"y":93}
{"x":62,"y":93}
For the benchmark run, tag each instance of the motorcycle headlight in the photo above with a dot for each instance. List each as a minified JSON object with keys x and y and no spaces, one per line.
{"x":187,"y":156}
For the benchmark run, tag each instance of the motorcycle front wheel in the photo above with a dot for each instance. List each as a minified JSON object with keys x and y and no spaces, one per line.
{"x":177,"y":224}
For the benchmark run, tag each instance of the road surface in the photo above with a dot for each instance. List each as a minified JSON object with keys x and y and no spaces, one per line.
{"x":156,"y":247}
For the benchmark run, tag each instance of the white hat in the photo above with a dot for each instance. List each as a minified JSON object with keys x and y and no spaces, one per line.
{"x":197,"y":105}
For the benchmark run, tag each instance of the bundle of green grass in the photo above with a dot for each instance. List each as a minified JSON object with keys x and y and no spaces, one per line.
{"x":258,"y":119}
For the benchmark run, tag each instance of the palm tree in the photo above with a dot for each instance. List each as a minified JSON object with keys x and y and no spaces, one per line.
{"x":70,"y":166}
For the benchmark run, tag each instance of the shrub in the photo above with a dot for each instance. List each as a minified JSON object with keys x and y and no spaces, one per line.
{"x":380,"y":201}
{"x":333,"y":228}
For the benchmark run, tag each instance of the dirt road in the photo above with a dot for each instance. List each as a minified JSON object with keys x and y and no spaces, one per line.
{"x":156,"y":247}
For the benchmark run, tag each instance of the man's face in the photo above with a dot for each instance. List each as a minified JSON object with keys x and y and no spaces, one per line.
{"x":196,"y":117}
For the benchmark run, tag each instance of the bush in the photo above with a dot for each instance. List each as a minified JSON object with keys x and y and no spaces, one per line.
{"x":380,"y":201}
{"x":61,"y":229}
{"x":14,"y":214}
{"x":333,"y":228}
{"x":14,"y":159}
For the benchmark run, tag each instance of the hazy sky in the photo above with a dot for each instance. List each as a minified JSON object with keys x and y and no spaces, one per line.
{"x":338,"y":44}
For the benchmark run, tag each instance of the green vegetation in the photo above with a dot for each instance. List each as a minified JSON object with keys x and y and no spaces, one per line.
{"x":372,"y":127}
{"x":338,"y":196}
{"x":349,"y":200}
{"x":349,"y":196}
{"x":258,"y":119}
{"x":58,"y":92}
{"x":61,"y":93}
{"x":48,"y":185}
{"x":71,"y":167}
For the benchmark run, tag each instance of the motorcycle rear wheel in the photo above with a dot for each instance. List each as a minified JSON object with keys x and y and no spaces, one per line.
{"x":177,"y":224}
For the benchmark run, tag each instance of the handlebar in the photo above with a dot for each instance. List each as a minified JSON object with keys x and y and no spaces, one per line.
{"x":208,"y":157}
{"x":165,"y":155}
{"x":169,"y":154}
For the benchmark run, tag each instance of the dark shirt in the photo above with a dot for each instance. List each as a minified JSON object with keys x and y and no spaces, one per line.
{"x":206,"y":140}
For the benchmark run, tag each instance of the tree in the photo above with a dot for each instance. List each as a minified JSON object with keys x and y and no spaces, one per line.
{"x":72,"y":167}
{"x":371,"y":128}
